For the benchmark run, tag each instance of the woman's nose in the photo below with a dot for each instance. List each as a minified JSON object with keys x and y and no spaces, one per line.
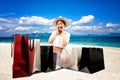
{"x":60,"y":26}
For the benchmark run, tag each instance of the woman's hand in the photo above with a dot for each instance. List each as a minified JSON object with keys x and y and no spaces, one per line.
{"x":57,"y":33}
{"x":57,"y":49}
{"x":53,"y":36}
{"x":64,"y":39}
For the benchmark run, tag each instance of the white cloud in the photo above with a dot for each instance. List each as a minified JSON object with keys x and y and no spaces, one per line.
{"x":21,"y":28}
{"x":118,"y":29}
{"x":9,"y":31}
{"x":111,"y":30}
{"x":33,"y":23}
{"x":3,"y":20}
{"x":35,"y":20}
{"x":8,"y":23}
{"x":112,"y":25}
{"x":1,"y":28}
{"x":36,"y":32}
{"x":85,"y":27}
{"x":84,"y":19}
{"x":52,"y":28}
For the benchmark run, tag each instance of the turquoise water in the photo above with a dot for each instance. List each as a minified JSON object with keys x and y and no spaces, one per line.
{"x":82,"y":40}
{"x":97,"y":41}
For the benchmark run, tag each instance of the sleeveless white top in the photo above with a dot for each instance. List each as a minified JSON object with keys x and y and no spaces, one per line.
{"x":58,"y":39}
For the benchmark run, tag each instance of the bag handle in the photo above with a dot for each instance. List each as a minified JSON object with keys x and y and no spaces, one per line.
{"x":31,"y":46}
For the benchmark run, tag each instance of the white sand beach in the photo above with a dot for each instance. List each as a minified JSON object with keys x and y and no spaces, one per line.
{"x":111,"y":71}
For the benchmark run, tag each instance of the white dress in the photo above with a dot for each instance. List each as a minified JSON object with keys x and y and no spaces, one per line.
{"x":61,"y":58}
{"x":58,"y":39}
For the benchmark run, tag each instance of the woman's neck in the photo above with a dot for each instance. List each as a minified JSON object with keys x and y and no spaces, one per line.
{"x":60,"y":32}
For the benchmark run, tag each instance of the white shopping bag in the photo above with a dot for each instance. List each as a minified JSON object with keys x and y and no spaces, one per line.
{"x":76,"y":52}
{"x":67,"y":58}
{"x":37,"y":60}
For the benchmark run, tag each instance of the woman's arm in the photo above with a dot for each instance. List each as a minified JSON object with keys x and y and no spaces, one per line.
{"x":52,"y":37}
{"x":65,"y":39}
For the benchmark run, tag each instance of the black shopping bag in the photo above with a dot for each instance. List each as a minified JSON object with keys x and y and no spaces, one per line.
{"x":47,"y":58}
{"x":93,"y":59}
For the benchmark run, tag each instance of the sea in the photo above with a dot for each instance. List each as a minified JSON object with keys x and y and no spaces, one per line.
{"x":107,"y":41}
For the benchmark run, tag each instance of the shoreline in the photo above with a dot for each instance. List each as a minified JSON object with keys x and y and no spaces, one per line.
{"x":72,"y":44}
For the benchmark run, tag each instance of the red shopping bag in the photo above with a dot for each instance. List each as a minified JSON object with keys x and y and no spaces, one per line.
{"x":31,"y":55}
{"x":20,"y":57}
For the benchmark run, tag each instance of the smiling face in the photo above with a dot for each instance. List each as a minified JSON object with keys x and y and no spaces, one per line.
{"x":60,"y":25}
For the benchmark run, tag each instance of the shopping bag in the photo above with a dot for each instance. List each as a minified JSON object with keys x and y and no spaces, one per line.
{"x":46,"y":58}
{"x":34,"y":56}
{"x":69,"y":58}
{"x":20,"y":66}
{"x":31,"y":55}
{"x":93,"y":59}
{"x":37,"y":56}
{"x":76,"y":51}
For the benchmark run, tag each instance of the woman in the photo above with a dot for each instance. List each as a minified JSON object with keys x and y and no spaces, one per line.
{"x":59,"y":39}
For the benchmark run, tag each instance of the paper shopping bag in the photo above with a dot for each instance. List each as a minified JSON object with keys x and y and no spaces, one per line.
{"x":93,"y":59}
{"x":47,"y":58}
{"x":34,"y":56}
{"x":37,"y":56}
{"x":20,"y":57}
{"x":31,"y":55}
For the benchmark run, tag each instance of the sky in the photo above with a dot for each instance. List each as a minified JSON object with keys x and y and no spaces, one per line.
{"x":99,"y":17}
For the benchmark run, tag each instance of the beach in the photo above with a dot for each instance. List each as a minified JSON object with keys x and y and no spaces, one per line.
{"x":111,"y":71}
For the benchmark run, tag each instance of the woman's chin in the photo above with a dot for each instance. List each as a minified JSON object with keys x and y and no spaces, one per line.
{"x":60,"y":31}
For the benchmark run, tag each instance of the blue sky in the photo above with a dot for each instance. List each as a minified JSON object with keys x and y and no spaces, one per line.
{"x":36,"y":16}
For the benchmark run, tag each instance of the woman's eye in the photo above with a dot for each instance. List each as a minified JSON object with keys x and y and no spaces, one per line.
{"x":60,"y":24}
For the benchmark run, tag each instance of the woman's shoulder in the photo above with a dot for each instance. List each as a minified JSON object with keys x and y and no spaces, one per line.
{"x":54,"y":32}
{"x":67,"y":33}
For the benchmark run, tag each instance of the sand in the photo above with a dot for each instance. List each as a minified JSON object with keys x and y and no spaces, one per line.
{"x":111,"y":71}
